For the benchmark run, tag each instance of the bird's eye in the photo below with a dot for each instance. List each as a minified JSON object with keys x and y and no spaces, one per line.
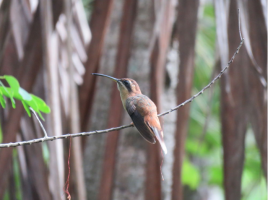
{"x":126,"y":83}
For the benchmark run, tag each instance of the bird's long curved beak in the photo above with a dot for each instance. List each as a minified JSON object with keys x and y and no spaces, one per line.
{"x":110,"y":77}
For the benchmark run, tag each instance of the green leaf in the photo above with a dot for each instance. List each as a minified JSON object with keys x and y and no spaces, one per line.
{"x":27,"y":99}
{"x":34,"y":106}
{"x":35,"y":102}
{"x":26,"y":108}
{"x":24,"y":94}
{"x":40,"y":115}
{"x":2,"y":101}
{"x":8,"y":93}
{"x":43,"y":107}
{"x":13,"y":82}
{"x":4,"y":90}
{"x":13,"y":103}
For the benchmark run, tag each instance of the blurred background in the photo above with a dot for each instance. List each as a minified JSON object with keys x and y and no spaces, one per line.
{"x":217,"y":145}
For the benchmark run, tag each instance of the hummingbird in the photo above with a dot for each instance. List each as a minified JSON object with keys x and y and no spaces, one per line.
{"x":141,"y":110}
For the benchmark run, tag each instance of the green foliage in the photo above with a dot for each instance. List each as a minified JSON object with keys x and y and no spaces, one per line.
{"x":208,"y":147}
{"x":6,"y":195}
{"x":45,"y":152}
{"x":16,"y":172}
{"x":190,"y":174}
{"x":253,"y":182}
{"x":216,"y":175}
{"x":27,"y":99}
{"x":88,"y":5}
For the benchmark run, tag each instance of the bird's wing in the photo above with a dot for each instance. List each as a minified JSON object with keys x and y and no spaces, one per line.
{"x":159,"y":135}
{"x":139,"y":122}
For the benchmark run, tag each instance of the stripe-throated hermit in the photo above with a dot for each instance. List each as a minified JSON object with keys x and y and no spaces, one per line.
{"x":141,"y":109}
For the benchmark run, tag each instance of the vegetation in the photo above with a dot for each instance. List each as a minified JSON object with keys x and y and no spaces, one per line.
{"x":220,"y":137}
{"x":204,"y":147}
{"x":27,"y":100}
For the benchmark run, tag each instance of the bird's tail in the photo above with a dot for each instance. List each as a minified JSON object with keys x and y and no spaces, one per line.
{"x":159,"y":137}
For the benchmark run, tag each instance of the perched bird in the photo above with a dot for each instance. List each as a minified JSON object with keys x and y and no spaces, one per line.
{"x":141,"y":109}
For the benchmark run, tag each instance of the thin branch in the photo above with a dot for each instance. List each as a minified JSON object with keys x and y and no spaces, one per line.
{"x":209,"y":85}
{"x":44,"y":130}
{"x":29,"y":142}
{"x":48,"y":138}
{"x":239,"y":24}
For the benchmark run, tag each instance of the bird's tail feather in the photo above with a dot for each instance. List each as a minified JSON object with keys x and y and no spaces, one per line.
{"x":160,"y":139}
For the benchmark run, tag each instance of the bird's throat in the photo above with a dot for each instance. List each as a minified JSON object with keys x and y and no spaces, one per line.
{"x":123,"y":99}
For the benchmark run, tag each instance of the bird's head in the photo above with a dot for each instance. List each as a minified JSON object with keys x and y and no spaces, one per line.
{"x":126,"y":86}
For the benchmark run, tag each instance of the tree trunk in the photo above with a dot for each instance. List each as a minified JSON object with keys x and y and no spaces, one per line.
{"x":186,"y":24}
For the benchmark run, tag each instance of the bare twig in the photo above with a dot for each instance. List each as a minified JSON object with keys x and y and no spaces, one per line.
{"x":239,"y":24}
{"x":44,"y":130}
{"x":209,"y":85}
{"x":6,"y":145}
{"x":62,"y":137}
